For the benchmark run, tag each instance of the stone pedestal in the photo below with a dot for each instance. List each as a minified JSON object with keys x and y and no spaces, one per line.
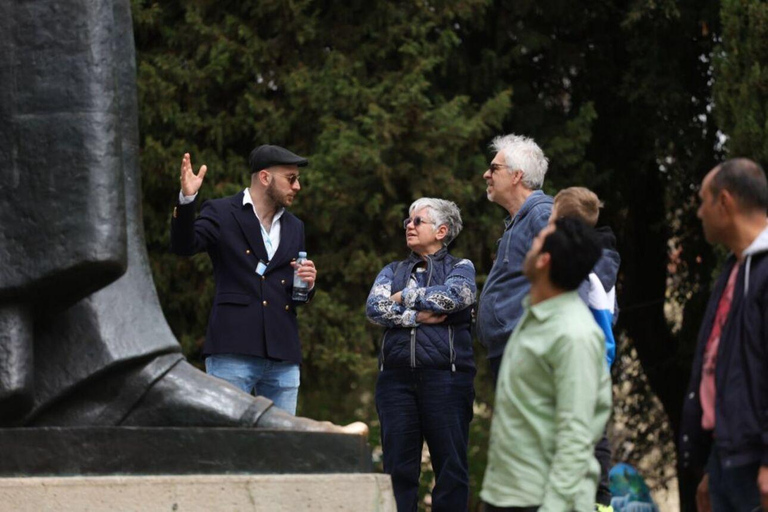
{"x":199,"y":493}
{"x":187,"y":470}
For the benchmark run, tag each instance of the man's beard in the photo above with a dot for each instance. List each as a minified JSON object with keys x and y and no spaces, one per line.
{"x":274,"y":195}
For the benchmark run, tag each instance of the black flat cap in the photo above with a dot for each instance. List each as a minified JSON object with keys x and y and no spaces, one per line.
{"x":267,"y":156}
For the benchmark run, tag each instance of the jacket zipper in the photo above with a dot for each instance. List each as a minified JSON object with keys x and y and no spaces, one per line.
{"x":383,"y":340}
{"x":452,"y":353}
{"x":430,"y":267}
{"x":413,"y":330}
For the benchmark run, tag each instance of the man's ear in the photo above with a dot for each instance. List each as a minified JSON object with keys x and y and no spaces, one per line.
{"x":264,"y":177}
{"x":726,"y":200}
{"x":543,"y":260}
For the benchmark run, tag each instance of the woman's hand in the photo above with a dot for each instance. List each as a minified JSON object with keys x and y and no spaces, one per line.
{"x":429,"y":317}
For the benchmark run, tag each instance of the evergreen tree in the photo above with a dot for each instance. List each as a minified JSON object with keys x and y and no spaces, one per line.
{"x":394,"y":101}
{"x":741,"y":79}
{"x":350,"y":85}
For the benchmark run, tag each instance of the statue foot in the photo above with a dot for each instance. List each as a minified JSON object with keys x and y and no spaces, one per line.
{"x":358,"y":428}
{"x":276,"y":418}
{"x":185,"y":396}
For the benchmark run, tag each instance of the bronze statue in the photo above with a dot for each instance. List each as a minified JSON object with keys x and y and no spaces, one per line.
{"x":83,"y":341}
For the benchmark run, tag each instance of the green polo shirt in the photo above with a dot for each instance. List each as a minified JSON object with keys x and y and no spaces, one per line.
{"x":553,"y":398}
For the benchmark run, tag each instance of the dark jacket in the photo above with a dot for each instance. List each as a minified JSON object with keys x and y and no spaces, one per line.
{"x":598,"y":290}
{"x":500,"y":306}
{"x":252,"y":314}
{"x":447,"y":286}
{"x":741,"y":371}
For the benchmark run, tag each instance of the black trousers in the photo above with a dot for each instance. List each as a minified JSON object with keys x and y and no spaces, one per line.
{"x":433,"y":406}
{"x":487,"y":507}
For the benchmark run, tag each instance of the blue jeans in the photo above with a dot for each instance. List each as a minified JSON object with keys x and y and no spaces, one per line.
{"x":276,"y":380}
{"x":433,"y":406}
{"x":732,"y":489}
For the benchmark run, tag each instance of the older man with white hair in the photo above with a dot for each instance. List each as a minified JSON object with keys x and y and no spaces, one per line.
{"x":514,"y":179}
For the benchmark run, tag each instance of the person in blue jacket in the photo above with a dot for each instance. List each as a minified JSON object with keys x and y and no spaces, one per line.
{"x":425,"y":390}
{"x":514,"y":179}
{"x":598,"y":291}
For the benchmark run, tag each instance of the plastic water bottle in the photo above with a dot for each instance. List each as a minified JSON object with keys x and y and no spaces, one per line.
{"x":300,"y":287}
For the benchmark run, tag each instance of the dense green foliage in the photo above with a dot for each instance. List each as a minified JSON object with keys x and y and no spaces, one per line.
{"x":741,"y":96}
{"x":352,"y":87}
{"x":392,"y":101}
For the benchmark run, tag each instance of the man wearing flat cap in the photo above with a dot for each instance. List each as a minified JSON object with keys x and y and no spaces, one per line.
{"x":252,"y":339}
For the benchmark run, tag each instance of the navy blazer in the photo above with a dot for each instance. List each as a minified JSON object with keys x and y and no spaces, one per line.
{"x":252,"y":314}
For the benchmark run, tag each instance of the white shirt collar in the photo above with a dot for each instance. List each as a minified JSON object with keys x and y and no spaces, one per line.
{"x":247,"y":200}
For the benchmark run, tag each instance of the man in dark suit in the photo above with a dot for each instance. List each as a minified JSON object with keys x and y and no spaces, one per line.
{"x":252,"y":339}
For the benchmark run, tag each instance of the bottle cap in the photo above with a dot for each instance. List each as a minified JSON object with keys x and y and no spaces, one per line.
{"x":302,"y":254}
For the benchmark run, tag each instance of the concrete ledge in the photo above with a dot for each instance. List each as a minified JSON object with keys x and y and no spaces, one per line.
{"x":360,"y":492}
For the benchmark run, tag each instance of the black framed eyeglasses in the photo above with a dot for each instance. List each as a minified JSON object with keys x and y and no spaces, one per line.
{"x":417,"y":221}
{"x":493,"y":167}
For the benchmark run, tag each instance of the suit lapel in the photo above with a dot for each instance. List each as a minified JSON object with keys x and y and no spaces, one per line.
{"x":288,"y":249}
{"x":249,"y":225}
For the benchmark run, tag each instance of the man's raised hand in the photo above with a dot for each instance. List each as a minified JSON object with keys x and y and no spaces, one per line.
{"x":190,"y":182}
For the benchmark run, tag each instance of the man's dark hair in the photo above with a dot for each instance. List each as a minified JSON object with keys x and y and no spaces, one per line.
{"x":574,"y":249}
{"x":745,"y":180}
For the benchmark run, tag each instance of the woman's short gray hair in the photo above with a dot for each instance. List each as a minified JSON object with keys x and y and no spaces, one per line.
{"x":443,"y":212}
{"x":523,"y":154}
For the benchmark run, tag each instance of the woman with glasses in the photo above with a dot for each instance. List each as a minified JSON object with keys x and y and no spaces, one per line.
{"x":425,"y":390}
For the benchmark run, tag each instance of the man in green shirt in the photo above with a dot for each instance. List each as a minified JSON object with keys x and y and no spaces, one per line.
{"x":553,"y":395}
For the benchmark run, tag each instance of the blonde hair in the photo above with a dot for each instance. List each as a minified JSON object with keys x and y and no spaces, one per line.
{"x":578,"y":202}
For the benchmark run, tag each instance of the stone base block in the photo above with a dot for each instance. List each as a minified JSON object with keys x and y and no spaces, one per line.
{"x":360,"y":492}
